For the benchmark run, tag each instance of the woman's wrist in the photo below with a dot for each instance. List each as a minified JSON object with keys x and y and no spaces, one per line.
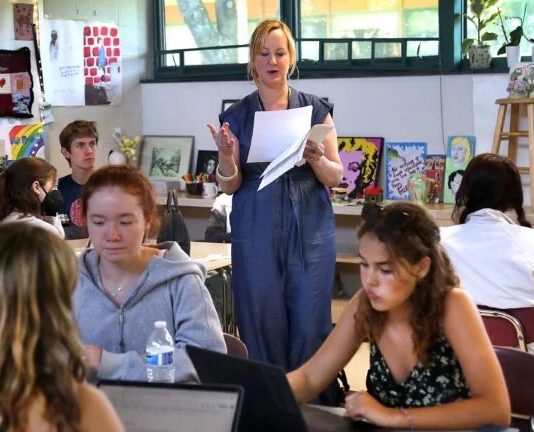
{"x":225,"y":178}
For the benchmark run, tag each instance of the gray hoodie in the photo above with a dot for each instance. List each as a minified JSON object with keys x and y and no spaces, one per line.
{"x":170,"y":289}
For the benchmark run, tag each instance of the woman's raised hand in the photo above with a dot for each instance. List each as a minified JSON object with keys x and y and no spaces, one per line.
{"x":224,"y":139}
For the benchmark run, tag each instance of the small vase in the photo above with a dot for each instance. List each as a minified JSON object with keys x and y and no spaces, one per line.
{"x":479,"y":57}
{"x":512,"y":55}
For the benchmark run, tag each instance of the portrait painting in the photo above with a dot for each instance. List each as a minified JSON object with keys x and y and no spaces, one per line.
{"x":207,"y":161}
{"x":460,"y":150}
{"x":360,"y":157}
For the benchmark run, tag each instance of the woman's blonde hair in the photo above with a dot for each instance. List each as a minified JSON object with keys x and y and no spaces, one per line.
{"x":258,"y":39}
{"x":41,"y":356}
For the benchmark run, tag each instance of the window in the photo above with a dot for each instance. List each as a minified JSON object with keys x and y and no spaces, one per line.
{"x":207,"y":39}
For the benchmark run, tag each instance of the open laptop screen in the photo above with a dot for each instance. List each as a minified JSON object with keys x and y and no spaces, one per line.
{"x":144,"y":407}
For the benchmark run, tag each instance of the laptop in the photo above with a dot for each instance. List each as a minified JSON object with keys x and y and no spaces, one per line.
{"x":269,"y":404}
{"x":160,"y":407}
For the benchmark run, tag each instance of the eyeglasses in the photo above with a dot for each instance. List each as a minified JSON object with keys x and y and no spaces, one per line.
{"x":372,"y":214}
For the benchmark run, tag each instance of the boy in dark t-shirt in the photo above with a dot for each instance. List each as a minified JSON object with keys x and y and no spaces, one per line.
{"x":78,"y":144}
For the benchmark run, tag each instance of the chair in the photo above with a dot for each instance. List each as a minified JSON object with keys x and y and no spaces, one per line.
{"x":503,"y":329}
{"x":518,"y":370}
{"x":235,"y":346}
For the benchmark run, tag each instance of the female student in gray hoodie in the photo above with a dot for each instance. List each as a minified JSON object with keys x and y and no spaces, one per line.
{"x":125,"y":286}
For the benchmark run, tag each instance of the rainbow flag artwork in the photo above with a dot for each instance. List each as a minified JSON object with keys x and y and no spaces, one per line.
{"x":27,"y":140}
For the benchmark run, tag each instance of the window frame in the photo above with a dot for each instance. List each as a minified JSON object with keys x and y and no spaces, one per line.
{"x":449,"y":60}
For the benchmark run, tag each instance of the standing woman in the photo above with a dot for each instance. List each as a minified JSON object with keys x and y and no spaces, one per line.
{"x":28,"y":193}
{"x":283,"y":248}
{"x":125,"y":286}
{"x":42,"y":366}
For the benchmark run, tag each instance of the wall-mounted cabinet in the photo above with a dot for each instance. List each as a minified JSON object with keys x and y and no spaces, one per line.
{"x":94,"y":10}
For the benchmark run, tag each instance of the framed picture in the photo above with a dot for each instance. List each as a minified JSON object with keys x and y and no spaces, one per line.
{"x":402,"y":160}
{"x":360,"y":157}
{"x":207,"y":161}
{"x":166,"y":158}
{"x":227,"y":103}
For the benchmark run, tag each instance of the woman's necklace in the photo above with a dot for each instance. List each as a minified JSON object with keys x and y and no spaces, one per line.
{"x":262,"y":107}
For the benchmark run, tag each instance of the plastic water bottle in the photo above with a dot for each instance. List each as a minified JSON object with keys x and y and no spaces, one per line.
{"x":160,"y":354}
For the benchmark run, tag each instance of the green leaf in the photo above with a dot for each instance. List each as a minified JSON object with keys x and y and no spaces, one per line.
{"x":489,"y":36}
{"x":466,"y":44}
{"x":515,"y":35}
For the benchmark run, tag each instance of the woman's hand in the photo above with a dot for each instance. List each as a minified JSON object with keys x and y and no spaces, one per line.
{"x":224,"y":142}
{"x":361,"y":404}
{"x":313,"y":151}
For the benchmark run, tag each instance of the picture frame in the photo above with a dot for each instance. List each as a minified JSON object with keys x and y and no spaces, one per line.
{"x":227,"y":103}
{"x":166,"y":158}
{"x":207,"y":161}
{"x":360,"y":157}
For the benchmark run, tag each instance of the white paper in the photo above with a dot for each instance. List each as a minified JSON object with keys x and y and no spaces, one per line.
{"x":275,"y":131}
{"x":293,"y":155}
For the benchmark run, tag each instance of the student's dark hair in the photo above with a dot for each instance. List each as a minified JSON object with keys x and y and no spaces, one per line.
{"x":409,"y":234}
{"x":41,"y":355}
{"x":452,"y":175}
{"x":490,"y":181}
{"x":16,"y":192}
{"x":129,"y":179}
{"x":77,"y":129}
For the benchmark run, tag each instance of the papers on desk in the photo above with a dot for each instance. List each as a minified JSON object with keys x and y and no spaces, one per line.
{"x":279,"y":137}
{"x":212,"y":257}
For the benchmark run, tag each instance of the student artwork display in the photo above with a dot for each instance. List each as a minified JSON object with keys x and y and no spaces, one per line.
{"x":360,"y":157}
{"x":81,"y":62}
{"x":23,"y":20}
{"x":402,"y":160}
{"x":16,"y":94}
{"x":27,"y":140}
{"x":435,"y":170}
{"x":460,"y":150}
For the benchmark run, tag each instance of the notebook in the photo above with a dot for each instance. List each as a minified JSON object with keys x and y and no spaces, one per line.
{"x":159,"y":407}
{"x":269,"y":404}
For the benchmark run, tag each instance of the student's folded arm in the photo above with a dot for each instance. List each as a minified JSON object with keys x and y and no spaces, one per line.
{"x":122,"y":366}
{"x":320,"y":370}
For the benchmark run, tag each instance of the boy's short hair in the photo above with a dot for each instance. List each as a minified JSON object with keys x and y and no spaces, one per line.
{"x":77,"y":129}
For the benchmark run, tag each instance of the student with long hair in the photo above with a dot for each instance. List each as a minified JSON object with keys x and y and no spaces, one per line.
{"x":432,"y":365}
{"x":28,"y":193}
{"x":492,"y":247}
{"x":126,"y":285}
{"x":42,"y":366}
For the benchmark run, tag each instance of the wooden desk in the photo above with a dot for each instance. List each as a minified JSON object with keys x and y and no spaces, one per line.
{"x":213,"y":255}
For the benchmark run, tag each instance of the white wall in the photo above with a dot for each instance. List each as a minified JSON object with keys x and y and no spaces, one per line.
{"x":415,"y":108}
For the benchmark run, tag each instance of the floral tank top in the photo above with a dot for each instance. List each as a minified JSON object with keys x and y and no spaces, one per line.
{"x":438,"y":382}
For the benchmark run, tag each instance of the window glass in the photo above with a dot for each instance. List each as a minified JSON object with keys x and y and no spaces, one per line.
{"x":368,"y":19}
{"x":211,"y":23}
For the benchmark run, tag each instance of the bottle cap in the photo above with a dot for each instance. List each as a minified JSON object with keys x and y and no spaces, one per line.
{"x":160,"y":324}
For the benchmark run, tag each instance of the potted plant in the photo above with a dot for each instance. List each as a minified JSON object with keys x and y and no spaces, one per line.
{"x":513,"y":39}
{"x":481,"y":16}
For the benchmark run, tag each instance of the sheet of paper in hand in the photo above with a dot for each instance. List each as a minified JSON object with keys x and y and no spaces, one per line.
{"x":275,"y":131}
{"x":293,"y":155}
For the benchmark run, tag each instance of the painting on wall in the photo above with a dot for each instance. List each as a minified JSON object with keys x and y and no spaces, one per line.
{"x":26,"y":141}
{"x":166,"y":158}
{"x":460,"y":150}
{"x":360,"y":157}
{"x":402,"y":160}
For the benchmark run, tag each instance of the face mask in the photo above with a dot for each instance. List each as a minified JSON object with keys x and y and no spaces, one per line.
{"x":53,"y":203}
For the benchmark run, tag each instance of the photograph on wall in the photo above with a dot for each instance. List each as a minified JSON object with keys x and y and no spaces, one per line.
{"x":81,"y":63}
{"x":360,"y":157}
{"x":402,"y":160}
{"x":435,"y":170}
{"x":207,"y":161}
{"x":166,"y":158}
{"x":460,"y":150}
{"x":16,"y":95}
{"x":26,"y":141}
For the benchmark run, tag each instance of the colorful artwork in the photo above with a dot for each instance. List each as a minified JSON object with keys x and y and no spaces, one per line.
{"x":23,"y":20}
{"x":402,"y":160}
{"x":360,"y":157}
{"x":460,"y":150}
{"x":16,"y":95}
{"x":435,"y":170}
{"x":27,"y":140}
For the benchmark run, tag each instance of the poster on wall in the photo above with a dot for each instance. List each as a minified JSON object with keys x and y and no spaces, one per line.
{"x":27,"y":140}
{"x":23,"y":20}
{"x":360,"y":157}
{"x":402,"y":160}
{"x":81,"y":63}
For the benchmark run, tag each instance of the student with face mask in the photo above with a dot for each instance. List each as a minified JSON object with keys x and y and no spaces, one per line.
{"x":28,"y":193}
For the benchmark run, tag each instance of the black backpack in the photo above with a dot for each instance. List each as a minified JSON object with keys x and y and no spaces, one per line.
{"x":173,"y":227}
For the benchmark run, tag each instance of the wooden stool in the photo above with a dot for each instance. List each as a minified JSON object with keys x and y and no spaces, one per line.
{"x":514,"y":133}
